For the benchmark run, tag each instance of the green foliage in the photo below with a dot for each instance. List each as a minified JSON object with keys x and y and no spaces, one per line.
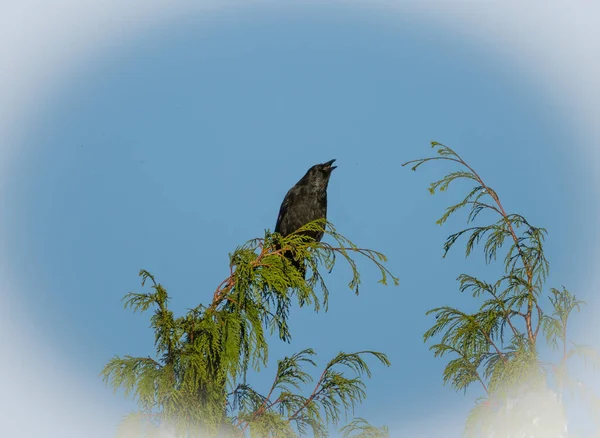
{"x":497,"y":345}
{"x":196,"y":384}
{"x":334,"y":393}
{"x":360,"y":428}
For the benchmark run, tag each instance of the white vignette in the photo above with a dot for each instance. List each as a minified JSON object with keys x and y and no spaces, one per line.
{"x":555,"y":42}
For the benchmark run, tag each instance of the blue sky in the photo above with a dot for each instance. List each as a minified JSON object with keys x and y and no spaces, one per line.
{"x":168,"y":151}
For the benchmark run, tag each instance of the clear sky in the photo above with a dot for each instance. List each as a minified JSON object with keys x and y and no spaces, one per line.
{"x":168,"y":150}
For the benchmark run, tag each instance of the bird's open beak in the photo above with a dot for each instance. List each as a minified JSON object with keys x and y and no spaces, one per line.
{"x":328,"y":165}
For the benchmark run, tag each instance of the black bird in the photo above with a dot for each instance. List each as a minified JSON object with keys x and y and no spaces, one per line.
{"x":304,"y":203}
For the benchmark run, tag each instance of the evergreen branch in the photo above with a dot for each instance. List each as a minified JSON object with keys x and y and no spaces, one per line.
{"x":299,"y":243}
{"x":211,"y":348}
{"x":360,"y":428}
{"x":333,"y":388}
{"x":289,"y":371}
{"x":477,"y":340}
{"x":462,"y":370}
{"x":462,"y":326}
{"x":531,"y":257}
{"x":468,"y":282}
{"x":243,"y":395}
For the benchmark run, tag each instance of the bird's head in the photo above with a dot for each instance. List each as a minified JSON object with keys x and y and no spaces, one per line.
{"x":319,"y":174}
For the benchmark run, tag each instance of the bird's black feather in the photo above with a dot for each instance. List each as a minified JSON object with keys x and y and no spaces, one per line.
{"x":304,"y":203}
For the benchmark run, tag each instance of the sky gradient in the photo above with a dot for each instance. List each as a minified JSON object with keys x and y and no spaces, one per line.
{"x":168,"y":150}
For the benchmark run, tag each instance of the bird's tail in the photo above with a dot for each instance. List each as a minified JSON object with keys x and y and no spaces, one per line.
{"x":298,"y":265}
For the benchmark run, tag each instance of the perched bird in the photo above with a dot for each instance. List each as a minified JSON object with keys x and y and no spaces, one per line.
{"x":304,"y":203}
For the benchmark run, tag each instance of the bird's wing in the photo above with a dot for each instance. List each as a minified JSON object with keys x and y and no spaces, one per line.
{"x":283,"y":210}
